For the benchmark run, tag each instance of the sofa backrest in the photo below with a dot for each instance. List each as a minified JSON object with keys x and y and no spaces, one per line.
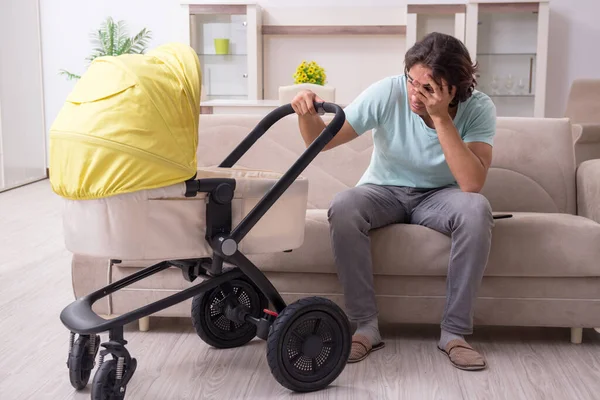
{"x":533,"y":167}
{"x":583,"y":102}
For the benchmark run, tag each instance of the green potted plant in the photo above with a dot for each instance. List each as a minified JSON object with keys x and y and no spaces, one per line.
{"x":112,"y":39}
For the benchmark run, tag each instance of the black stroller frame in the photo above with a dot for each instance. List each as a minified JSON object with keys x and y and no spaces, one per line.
{"x":308,"y":341}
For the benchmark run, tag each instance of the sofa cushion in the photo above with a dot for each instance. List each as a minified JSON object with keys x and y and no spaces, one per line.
{"x":529,"y":244}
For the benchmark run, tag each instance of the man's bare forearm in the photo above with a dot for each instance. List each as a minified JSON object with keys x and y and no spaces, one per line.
{"x":466,"y":167}
{"x":311,"y":125}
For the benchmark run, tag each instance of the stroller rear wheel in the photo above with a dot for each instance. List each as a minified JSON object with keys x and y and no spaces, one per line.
{"x":309,"y":344}
{"x":209,"y":313}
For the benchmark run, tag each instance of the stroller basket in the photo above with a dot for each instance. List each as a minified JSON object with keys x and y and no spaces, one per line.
{"x":224,"y":214}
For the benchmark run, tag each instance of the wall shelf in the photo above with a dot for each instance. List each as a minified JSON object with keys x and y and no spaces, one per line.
{"x":225,"y":9}
{"x":511,"y":95}
{"x":506,"y":54}
{"x":221,"y":55}
{"x":532,"y":7}
{"x":333,"y":30}
{"x":436,"y":9}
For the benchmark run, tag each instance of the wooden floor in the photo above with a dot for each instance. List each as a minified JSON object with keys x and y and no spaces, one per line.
{"x":173,"y":363}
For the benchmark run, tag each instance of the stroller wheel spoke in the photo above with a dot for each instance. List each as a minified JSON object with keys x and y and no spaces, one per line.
{"x":316,"y":326}
{"x":298,"y":336}
{"x":295,"y":358}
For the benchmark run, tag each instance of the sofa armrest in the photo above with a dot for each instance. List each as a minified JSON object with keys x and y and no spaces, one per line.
{"x":587,"y":132}
{"x":586,"y":141}
{"x":588,"y":189}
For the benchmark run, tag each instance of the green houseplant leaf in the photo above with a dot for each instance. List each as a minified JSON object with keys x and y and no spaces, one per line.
{"x":112,"y":39}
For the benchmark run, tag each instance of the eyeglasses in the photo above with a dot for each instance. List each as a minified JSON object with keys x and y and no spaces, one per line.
{"x":426,"y":86}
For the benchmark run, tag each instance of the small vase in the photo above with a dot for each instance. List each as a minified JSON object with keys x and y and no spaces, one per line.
{"x":221,"y":46}
{"x":287,"y":93}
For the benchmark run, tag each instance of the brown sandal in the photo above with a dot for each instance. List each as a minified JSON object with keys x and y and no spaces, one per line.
{"x":361,"y":348}
{"x":463,"y":356}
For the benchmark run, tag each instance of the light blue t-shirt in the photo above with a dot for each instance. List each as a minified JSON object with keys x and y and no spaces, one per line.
{"x":406,"y":151}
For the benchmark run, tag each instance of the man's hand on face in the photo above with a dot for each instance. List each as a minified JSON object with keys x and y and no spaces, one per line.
{"x":436,"y":98}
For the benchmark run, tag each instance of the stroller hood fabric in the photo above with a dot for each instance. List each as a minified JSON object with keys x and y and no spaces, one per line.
{"x":130,"y":124}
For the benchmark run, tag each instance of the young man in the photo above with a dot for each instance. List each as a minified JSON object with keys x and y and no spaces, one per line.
{"x":433,"y":136}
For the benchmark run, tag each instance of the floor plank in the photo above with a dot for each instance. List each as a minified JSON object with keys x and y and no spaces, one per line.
{"x":173,"y":363}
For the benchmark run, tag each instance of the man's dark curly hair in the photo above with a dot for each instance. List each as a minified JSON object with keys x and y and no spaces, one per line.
{"x":449,"y":59}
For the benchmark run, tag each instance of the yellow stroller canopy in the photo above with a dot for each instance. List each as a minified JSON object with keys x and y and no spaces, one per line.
{"x":130,"y":123}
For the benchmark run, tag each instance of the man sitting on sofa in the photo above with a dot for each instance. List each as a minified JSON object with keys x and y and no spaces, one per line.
{"x":433,"y":136}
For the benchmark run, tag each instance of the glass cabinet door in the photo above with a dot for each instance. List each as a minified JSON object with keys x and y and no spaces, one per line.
{"x":221,"y":40}
{"x":507,"y":42}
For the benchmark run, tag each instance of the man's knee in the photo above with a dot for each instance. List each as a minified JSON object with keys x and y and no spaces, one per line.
{"x":342,"y":206}
{"x":350,"y":209}
{"x":479,"y":204}
{"x":475,"y":209}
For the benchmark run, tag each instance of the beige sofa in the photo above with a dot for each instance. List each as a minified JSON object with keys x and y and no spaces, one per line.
{"x":544,"y":267}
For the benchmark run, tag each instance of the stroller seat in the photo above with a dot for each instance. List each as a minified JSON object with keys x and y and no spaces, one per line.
{"x":163,"y":224}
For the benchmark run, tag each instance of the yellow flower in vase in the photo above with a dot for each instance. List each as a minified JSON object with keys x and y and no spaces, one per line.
{"x":310,"y":73}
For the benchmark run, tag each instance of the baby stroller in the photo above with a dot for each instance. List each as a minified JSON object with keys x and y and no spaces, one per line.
{"x":123,"y":157}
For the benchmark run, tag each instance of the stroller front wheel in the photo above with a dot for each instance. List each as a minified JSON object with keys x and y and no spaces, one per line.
{"x":209,"y":314}
{"x":82,"y":356}
{"x":105,"y":385}
{"x":309,"y":344}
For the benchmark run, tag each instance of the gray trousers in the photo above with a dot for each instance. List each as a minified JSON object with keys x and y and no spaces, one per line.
{"x":465,"y":217}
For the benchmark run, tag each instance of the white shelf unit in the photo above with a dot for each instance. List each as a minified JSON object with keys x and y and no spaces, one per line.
{"x":509,"y":41}
{"x":422,"y":19}
{"x":237,"y":74}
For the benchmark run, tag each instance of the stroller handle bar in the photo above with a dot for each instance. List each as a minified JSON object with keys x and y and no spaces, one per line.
{"x":242,"y":229}
{"x":270,"y":119}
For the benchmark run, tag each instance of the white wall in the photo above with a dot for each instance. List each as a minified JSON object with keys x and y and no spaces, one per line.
{"x":66,"y":25}
{"x":21,"y":122}
{"x":382,"y":56}
{"x":574,"y":49}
